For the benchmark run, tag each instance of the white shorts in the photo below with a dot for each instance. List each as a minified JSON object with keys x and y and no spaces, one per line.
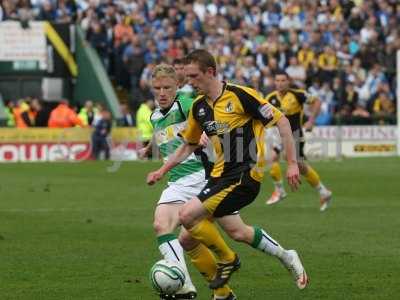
{"x":176,"y":193}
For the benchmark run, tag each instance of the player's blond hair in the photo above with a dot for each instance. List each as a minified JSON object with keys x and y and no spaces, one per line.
{"x":164,"y":70}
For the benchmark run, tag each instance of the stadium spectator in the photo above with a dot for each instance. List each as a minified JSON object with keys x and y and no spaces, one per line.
{"x":8,"y":109}
{"x":326,"y":95}
{"x":97,"y":37}
{"x":22,"y":114}
{"x":87,"y":113}
{"x":383,"y":108}
{"x":42,"y":113}
{"x":63,"y":116}
{"x":329,"y":38}
{"x":347,"y":104}
{"x":134,"y":60}
{"x":143,"y":121}
{"x":296,"y":71}
{"x":128,"y":119}
{"x":47,"y":11}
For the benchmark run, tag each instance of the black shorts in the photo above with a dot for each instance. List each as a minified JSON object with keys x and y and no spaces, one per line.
{"x":224,"y":196}
{"x":299,"y":141}
{"x":300,"y":150}
{"x":298,"y":136}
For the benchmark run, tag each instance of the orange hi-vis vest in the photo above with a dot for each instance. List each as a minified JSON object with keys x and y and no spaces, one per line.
{"x":63,"y":116}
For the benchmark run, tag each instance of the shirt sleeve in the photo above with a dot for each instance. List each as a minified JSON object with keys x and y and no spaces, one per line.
{"x":304,"y":97}
{"x":259,"y":108}
{"x":192,"y":132}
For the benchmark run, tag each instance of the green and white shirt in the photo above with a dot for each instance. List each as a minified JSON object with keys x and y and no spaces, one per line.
{"x":167,"y":124}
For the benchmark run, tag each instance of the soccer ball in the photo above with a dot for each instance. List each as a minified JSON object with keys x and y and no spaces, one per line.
{"x":167,"y":277}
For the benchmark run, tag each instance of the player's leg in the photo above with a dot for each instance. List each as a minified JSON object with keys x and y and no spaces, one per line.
{"x":274,"y":147}
{"x":205,"y":262}
{"x":195,"y":218}
{"x":166,"y":220}
{"x":275,"y":172}
{"x":240,"y":196}
{"x":259,"y":239}
{"x":313,"y":179}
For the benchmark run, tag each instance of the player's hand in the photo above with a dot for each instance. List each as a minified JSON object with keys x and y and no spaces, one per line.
{"x":204,"y":140}
{"x":153,"y":177}
{"x":308,"y":126}
{"x":293,"y":176}
{"x":142,"y":152}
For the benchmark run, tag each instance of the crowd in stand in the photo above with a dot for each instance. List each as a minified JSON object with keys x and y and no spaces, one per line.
{"x":31,"y":112}
{"x":340,"y":50}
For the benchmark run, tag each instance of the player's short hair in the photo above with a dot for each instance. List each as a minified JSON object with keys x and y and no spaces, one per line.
{"x":203,"y":58}
{"x":163,"y":70}
{"x":177,"y":61}
{"x":282,"y":72}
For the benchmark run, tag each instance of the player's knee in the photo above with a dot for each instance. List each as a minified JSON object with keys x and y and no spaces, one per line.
{"x":185,"y":217}
{"x":160,"y":227}
{"x":187,"y":242}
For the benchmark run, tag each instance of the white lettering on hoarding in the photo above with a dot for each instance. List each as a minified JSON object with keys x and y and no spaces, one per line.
{"x":43,"y":152}
{"x":355,"y":132}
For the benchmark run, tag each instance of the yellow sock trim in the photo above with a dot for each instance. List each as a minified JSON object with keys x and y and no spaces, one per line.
{"x":312,"y":177}
{"x":276,"y":172}
{"x":223,"y":292}
{"x":208,"y":234}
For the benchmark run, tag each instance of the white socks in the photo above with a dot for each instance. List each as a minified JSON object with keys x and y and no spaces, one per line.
{"x":322,"y":190}
{"x":172,"y":250}
{"x":279,"y":186}
{"x":267,"y":244}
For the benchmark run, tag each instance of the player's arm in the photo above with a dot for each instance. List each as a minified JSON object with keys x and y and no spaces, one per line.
{"x":142,"y":152}
{"x":285,"y":132}
{"x":315,"y":108}
{"x":175,"y":159}
{"x":145,"y":150}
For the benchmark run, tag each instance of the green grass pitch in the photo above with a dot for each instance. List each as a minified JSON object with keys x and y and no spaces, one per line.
{"x":84,"y":231}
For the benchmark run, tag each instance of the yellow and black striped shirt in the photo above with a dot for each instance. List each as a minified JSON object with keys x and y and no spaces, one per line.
{"x":291,"y":104}
{"x":235,"y":125}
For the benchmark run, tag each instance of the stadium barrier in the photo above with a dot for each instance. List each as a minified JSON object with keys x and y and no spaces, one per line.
{"x":70,"y":144}
{"x":351,"y":141}
{"x":73,"y":144}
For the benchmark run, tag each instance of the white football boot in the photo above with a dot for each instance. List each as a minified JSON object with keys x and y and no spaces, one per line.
{"x":188,"y":291}
{"x":293,"y":263}
{"x":276,"y":196}
{"x":325,"y":200}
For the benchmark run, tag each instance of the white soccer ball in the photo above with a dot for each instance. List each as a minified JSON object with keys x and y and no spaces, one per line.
{"x":167,"y":277}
